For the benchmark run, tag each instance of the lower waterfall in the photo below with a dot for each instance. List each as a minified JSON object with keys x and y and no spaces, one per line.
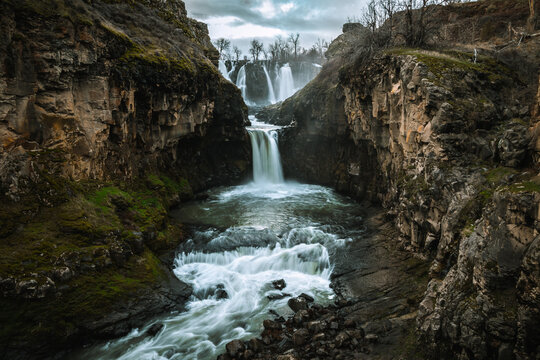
{"x":266,"y":158}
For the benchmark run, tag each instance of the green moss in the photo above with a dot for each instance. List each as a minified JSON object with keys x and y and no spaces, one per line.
{"x":497,"y":175}
{"x":442,"y":64}
{"x":525,"y":186}
{"x":118,"y":34}
{"x":158,"y":58}
{"x":89,"y":298}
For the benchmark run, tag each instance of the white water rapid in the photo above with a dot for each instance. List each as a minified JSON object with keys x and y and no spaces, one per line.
{"x":271,"y":94}
{"x":243,"y":239}
{"x":286,"y":83}
{"x":223,"y":70}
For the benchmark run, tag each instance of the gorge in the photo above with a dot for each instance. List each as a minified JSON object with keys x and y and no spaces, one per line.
{"x":384,"y":205}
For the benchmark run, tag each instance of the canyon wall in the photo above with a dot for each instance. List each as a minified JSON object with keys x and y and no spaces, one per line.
{"x":111,"y":112}
{"x":447,"y":142}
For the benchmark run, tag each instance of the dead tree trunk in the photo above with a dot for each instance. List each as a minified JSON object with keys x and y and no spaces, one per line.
{"x":532,"y":22}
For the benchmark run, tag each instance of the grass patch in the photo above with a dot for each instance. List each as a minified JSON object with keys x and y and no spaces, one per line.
{"x":442,"y":63}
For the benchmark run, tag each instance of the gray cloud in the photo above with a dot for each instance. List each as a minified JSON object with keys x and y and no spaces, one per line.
{"x":244,"y":20}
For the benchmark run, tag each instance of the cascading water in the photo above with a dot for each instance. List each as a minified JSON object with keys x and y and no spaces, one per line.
{"x":223,"y":70}
{"x":241,"y":82}
{"x":266,"y":159}
{"x":245,"y":238}
{"x":271,"y":95}
{"x":231,"y":72}
{"x":286,"y":83}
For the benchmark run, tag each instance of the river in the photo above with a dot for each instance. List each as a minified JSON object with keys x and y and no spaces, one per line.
{"x":243,"y":239}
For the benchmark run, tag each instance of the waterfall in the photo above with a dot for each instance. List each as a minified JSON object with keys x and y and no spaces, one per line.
{"x":231,"y":72}
{"x":271,"y":95}
{"x":286,"y":82}
{"x":266,"y":159}
{"x":223,"y":70}
{"x":241,"y":82}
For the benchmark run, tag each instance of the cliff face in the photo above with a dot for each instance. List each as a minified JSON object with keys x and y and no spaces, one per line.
{"x":448,"y":145}
{"x":110,"y":113}
{"x":118,"y":89}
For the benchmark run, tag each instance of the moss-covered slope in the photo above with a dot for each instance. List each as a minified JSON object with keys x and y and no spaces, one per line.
{"x":111,"y":112}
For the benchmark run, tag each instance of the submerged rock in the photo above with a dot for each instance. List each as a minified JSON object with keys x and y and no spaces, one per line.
{"x":154,"y":329}
{"x":279,"y":284}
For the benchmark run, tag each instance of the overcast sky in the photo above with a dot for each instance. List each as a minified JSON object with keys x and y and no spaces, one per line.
{"x":243,"y":20}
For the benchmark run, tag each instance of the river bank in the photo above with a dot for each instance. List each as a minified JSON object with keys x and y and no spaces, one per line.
{"x":378,"y":287}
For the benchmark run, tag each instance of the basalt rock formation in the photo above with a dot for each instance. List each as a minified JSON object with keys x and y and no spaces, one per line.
{"x":110,"y":113}
{"x":447,"y":141}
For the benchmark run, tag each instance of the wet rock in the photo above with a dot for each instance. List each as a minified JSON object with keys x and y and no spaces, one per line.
{"x":308,"y":298}
{"x":279,"y":284}
{"x":221,"y":294}
{"x":301,"y":316}
{"x":248,"y":354}
{"x":300,"y":337}
{"x":316,"y":326}
{"x":255,"y":345}
{"x":154,"y":329}
{"x":235,"y":348}
{"x":297,"y":304}
{"x":271,"y":325}
{"x":273,"y":297}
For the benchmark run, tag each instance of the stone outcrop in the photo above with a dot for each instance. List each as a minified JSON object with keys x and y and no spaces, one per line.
{"x":119,"y":90}
{"x":447,"y":143}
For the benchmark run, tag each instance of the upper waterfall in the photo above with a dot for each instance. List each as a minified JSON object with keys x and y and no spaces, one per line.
{"x":223,"y":70}
{"x":286,"y":82}
{"x":268,"y":82}
{"x":271,"y":95}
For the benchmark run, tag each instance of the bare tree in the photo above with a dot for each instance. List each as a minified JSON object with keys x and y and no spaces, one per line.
{"x":294,"y":39}
{"x":256,"y":49}
{"x":417,"y":21}
{"x":388,"y":10}
{"x":533,"y":17}
{"x":273,"y":50}
{"x":222,"y":45}
{"x":237,"y":53}
{"x":321,"y":45}
{"x":282,"y":47}
{"x":370,"y":17}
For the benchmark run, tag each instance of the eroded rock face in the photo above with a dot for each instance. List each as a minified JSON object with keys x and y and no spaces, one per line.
{"x":117,"y":99}
{"x":108,"y":93}
{"x":446,"y":146}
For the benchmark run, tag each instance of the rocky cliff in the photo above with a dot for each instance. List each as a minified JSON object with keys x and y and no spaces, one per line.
{"x":110,"y":113}
{"x":448,"y":142}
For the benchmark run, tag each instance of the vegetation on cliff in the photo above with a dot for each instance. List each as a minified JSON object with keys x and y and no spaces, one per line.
{"x":445,"y":136}
{"x":112,"y":112}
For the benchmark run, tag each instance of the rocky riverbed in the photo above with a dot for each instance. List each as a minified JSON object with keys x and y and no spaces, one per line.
{"x":372,"y":317}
